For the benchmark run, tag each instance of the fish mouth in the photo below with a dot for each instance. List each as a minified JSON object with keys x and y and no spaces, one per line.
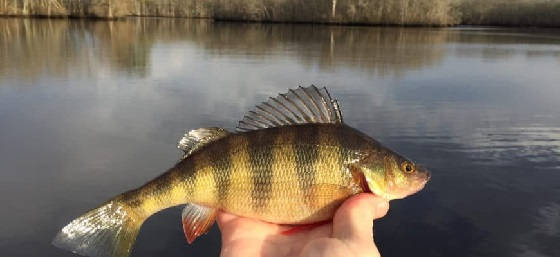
{"x":427,"y":179}
{"x":424,"y":173}
{"x":423,"y":183}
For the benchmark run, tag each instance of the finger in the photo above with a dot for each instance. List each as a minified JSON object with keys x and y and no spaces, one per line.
{"x":353,"y":221}
{"x":224,"y":218}
{"x":233,"y":226}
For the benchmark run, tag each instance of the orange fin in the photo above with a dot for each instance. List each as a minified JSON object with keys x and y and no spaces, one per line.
{"x":360,"y":179}
{"x":197,"y":220}
{"x":305,"y":227}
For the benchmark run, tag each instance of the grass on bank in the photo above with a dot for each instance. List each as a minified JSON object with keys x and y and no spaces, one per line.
{"x":384,"y":12}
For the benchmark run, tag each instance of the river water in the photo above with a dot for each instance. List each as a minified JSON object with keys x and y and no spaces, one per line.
{"x":89,"y":109}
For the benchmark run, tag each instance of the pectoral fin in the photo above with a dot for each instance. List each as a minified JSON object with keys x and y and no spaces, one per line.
{"x":197,"y":220}
{"x":359,"y":178}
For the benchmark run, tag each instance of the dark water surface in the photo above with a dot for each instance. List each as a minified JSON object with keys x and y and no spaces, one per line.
{"x":89,"y":109}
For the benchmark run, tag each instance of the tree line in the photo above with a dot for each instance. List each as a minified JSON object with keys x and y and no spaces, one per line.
{"x":380,"y":12}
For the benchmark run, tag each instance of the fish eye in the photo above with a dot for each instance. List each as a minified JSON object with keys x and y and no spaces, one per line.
{"x":407,"y":167}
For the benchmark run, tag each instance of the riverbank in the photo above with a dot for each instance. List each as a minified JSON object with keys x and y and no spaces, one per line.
{"x":374,"y":12}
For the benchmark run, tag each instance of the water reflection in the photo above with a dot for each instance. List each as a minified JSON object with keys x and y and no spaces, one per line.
{"x":534,"y":144}
{"x":541,"y":240}
{"x":62,"y":47}
{"x":91,"y":108}
{"x":58,"y":46}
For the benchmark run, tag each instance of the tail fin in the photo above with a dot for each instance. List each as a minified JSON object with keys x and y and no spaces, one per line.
{"x":107,"y":231}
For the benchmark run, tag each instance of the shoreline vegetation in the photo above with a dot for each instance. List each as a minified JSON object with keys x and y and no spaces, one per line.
{"x":541,"y":13}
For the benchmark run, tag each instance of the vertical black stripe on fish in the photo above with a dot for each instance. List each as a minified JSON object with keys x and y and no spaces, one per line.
{"x":220,"y":160}
{"x":351,"y":144}
{"x":344,"y":143}
{"x":306,"y":155}
{"x":260,"y":150}
{"x":160,"y":185}
{"x":164,"y":183}
{"x":187,"y":174}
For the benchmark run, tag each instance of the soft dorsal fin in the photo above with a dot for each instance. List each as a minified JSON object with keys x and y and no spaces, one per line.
{"x":298,"y":106}
{"x":196,"y":138}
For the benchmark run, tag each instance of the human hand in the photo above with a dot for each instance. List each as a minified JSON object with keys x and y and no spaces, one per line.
{"x":350,"y":234}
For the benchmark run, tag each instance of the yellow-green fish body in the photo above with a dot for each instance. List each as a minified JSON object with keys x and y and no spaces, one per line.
{"x":289,"y":175}
{"x":285,"y":165}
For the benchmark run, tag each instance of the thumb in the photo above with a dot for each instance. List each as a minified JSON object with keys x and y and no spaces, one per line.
{"x":353,"y":221}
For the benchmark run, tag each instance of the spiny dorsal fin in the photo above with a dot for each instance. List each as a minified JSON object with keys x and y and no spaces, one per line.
{"x":196,"y":138}
{"x":299,"y":106}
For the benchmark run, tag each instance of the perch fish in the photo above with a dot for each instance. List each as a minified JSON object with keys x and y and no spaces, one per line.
{"x":292,"y":160}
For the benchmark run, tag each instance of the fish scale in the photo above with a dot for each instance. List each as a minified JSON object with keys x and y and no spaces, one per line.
{"x":272,"y":166}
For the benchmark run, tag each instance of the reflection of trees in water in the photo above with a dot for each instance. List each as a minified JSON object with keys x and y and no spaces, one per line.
{"x":57,"y":46}
{"x":379,"y":50}
{"x":507,"y":43}
{"x":123,"y":46}
{"x":34,"y":47}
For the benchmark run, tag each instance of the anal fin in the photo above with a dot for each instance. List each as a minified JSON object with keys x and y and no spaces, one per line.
{"x":197,"y":220}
